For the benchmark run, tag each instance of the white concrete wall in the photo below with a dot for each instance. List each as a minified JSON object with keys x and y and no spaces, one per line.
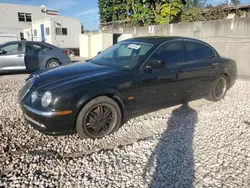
{"x":107,"y":40}
{"x":90,"y":45}
{"x":85,"y":46}
{"x":96,"y":44}
{"x":124,"y":37}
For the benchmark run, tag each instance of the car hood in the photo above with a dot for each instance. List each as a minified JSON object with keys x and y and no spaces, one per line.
{"x":49,"y":79}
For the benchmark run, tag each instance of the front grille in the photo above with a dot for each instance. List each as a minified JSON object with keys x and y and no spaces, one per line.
{"x":25,"y":89}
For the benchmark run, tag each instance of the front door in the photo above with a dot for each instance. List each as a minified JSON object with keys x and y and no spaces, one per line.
{"x":13,"y":57}
{"x":33,"y":54}
{"x":160,"y":86}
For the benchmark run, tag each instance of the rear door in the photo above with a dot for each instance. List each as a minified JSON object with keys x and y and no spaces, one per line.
{"x":161,"y":86}
{"x":13,"y":58}
{"x":198,"y":69}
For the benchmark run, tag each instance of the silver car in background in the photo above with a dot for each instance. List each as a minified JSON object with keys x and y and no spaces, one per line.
{"x":30,"y":56}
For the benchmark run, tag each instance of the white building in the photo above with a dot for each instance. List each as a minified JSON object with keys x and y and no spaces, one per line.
{"x":18,"y":22}
{"x":58,"y":30}
{"x":14,"y":18}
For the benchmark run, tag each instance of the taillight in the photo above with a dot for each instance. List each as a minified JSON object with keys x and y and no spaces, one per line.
{"x":65,"y":52}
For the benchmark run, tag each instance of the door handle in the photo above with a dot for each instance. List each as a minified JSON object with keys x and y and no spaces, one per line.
{"x":19,"y":55}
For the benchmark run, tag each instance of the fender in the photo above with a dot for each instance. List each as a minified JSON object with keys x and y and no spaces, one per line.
{"x":93,"y":94}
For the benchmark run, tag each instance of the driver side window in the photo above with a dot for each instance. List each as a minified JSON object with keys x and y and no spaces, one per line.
{"x":15,"y":48}
{"x":170,"y":52}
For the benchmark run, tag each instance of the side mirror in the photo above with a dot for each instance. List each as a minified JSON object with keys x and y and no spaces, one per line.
{"x":157,"y":64}
{"x":99,"y":53}
{"x":2,"y":52}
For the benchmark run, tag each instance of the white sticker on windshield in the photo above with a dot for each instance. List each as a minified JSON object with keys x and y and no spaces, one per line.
{"x":134,"y":46}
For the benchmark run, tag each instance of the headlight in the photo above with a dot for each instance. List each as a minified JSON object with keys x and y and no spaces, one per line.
{"x":46,"y":99}
{"x":34,"y":96}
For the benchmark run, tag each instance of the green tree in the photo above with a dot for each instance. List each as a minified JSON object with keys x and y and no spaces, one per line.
{"x":192,"y":14}
{"x":105,"y":10}
{"x":169,"y":11}
{"x":142,"y":13}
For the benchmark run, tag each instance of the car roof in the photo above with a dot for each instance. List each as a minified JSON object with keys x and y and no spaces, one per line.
{"x":26,"y":41}
{"x":159,"y":39}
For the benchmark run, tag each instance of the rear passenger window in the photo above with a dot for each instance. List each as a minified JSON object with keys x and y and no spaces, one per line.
{"x":33,"y":47}
{"x":170,"y":52}
{"x":197,"y":51}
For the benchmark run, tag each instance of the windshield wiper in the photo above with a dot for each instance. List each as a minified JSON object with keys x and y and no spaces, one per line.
{"x":91,"y":61}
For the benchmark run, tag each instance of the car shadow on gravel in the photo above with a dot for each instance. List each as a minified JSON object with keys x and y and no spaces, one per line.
{"x":172,"y":161}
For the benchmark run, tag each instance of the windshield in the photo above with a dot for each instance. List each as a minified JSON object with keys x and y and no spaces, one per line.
{"x":123,"y":54}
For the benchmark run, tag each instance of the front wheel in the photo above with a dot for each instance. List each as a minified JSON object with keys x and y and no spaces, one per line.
{"x":218,"y":89}
{"x":98,"y":118}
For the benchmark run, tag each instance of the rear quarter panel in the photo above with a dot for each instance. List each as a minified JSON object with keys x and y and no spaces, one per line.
{"x":229,"y":67}
{"x":54,"y":54}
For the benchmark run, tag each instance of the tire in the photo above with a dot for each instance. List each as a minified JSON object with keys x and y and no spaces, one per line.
{"x":88,"y":123}
{"x":216,"y":95}
{"x":53,"y":63}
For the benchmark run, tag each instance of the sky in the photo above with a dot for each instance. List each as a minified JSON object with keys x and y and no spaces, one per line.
{"x":85,"y":10}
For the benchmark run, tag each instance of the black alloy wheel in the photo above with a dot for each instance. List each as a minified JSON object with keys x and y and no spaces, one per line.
{"x":218,"y":89}
{"x":100,"y":117}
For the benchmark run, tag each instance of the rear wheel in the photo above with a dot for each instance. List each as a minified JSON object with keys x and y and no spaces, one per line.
{"x":98,"y":118}
{"x":218,"y":89}
{"x":52,"y":63}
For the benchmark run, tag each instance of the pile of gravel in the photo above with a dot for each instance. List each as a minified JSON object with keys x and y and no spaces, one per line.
{"x":203,"y":144}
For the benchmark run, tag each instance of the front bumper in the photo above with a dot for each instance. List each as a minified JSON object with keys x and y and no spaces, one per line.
{"x":48,"y":122}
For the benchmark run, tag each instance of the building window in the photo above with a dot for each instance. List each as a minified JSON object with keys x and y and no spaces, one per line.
{"x":47,"y":31}
{"x":58,"y":31}
{"x":28,"y":33}
{"x":24,"y":17}
{"x":35,"y":32}
{"x":64,"y":31}
{"x":28,"y":17}
{"x":61,"y":31}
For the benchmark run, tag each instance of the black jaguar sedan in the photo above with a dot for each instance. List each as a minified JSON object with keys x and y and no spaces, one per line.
{"x":95,"y":97}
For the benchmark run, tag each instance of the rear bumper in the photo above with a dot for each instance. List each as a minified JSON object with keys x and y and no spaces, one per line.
{"x":65,"y":60}
{"x":48,"y":122}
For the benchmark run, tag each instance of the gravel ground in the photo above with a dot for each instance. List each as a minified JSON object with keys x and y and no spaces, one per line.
{"x":203,"y":145}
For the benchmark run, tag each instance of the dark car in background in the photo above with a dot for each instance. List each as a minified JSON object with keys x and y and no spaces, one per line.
{"x":95,"y":97}
{"x":30,"y":56}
